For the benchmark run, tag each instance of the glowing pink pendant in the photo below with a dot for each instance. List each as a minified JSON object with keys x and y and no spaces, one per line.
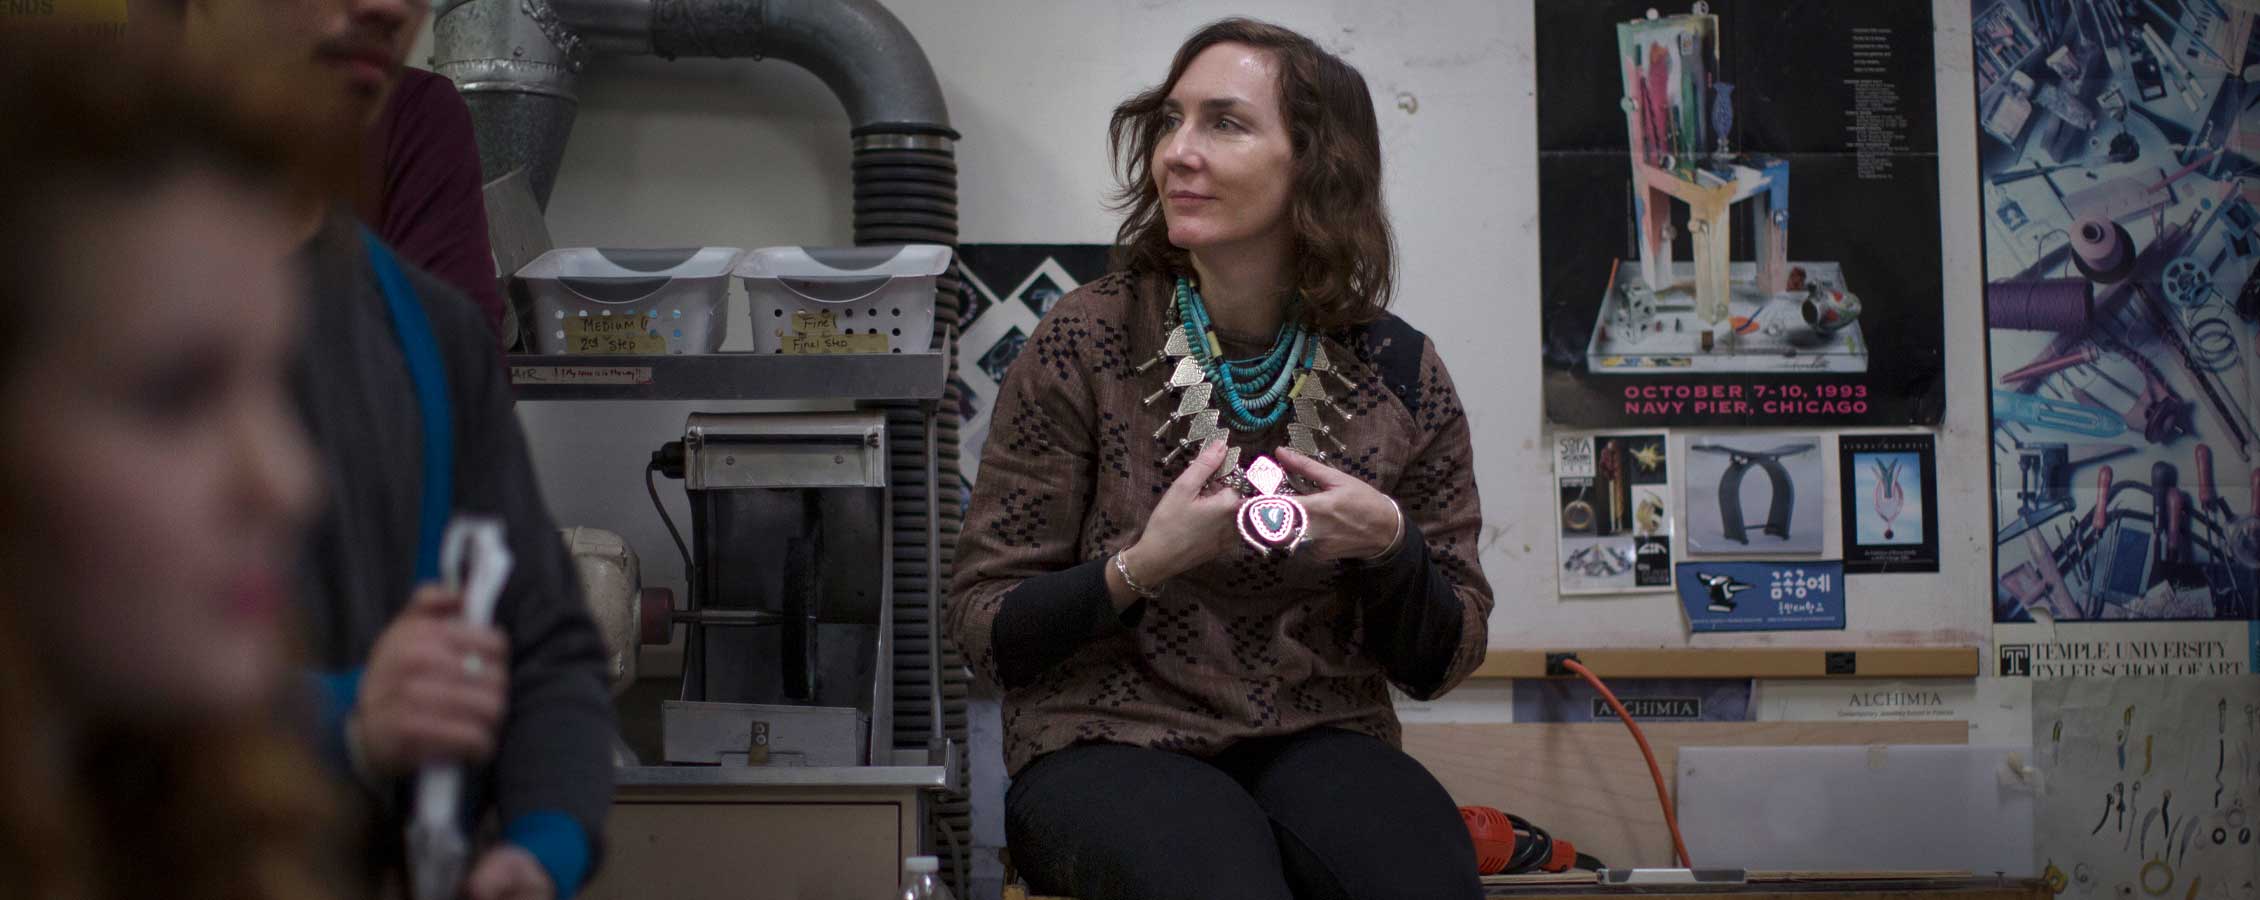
{"x":1271,"y":520}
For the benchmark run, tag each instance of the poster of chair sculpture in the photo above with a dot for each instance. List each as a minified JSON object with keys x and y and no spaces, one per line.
{"x":1739,"y":218}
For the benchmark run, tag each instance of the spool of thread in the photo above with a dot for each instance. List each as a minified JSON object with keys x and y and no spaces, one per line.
{"x":2103,"y":249}
{"x":2040,"y":304}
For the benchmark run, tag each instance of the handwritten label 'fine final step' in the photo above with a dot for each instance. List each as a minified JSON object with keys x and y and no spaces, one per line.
{"x":1877,"y":126}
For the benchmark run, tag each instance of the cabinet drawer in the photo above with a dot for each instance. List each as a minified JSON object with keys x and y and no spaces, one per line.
{"x":789,"y":851}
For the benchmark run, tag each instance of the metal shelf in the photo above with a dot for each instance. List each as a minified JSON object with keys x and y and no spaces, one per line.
{"x":730,"y":376}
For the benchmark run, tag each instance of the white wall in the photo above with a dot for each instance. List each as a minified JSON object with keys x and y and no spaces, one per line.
{"x":750,"y":154}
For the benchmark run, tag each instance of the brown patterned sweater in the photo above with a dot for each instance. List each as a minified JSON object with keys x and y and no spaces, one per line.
{"x":1240,"y":647}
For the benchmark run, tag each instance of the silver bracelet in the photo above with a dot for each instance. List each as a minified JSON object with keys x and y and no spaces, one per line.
{"x":1394,"y":540}
{"x":1135,"y":588}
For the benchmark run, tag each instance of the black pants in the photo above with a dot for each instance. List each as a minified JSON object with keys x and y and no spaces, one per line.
{"x":1319,"y":815}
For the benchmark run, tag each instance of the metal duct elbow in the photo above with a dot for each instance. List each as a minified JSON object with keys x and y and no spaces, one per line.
{"x":516,"y":66}
{"x":859,"y":49}
{"x":517,"y":61}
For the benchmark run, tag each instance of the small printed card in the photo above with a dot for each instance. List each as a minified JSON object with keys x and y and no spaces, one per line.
{"x":1890,"y":508}
{"x":1647,"y":699}
{"x":1614,"y":511}
{"x":1793,"y":595}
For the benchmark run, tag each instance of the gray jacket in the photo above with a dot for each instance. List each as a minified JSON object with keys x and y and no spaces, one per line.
{"x":359,"y":405}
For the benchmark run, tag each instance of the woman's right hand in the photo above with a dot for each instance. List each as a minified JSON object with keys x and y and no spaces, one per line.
{"x":1191,"y":525}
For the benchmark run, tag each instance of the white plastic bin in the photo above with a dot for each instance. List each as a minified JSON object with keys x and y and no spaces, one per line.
{"x":602,"y":300}
{"x":864,"y":295}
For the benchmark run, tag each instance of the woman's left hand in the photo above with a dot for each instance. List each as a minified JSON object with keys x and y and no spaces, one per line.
{"x":1349,"y":519}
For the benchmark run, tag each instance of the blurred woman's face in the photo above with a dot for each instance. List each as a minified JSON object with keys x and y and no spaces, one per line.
{"x":1224,"y":164}
{"x":152,"y":472}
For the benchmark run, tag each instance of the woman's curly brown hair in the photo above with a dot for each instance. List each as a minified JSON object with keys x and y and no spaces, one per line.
{"x":1342,"y":250}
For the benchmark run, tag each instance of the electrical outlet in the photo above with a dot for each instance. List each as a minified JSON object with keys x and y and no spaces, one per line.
{"x":1842,"y":662}
{"x":1554,"y":667}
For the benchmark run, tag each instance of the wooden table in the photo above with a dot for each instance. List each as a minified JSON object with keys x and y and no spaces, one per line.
{"x":1786,"y":886}
{"x":1762,"y":886}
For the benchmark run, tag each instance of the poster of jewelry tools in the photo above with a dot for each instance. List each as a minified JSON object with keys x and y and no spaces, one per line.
{"x":1889,"y":502}
{"x":1754,"y":493}
{"x":1738,"y":217}
{"x":1007,"y":289}
{"x":2149,"y":787}
{"x":1614,"y":495}
{"x":1647,"y":699}
{"x":1762,"y":596}
{"x":2119,"y":168}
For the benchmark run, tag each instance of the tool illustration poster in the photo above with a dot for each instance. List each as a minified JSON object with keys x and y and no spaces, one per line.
{"x":2149,"y":787}
{"x":2116,"y":161}
{"x":1738,"y":213}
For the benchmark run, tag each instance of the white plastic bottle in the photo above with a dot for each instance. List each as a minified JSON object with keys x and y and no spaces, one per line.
{"x":922,"y":879}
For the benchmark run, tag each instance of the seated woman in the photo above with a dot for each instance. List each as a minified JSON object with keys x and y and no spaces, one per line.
{"x":152,"y":479}
{"x":1195,"y":650}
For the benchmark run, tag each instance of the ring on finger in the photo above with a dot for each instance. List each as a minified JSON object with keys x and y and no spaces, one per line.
{"x":473,"y":664}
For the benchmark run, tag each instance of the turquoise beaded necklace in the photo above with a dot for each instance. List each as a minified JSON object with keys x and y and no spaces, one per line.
{"x":1254,"y":389}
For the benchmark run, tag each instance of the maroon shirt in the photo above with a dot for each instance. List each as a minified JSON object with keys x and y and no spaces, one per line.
{"x":428,"y":203}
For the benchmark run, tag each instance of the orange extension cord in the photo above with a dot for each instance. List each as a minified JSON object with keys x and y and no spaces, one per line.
{"x":1663,"y":797}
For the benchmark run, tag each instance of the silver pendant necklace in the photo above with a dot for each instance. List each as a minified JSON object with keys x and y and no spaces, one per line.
{"x":1270,"y":519}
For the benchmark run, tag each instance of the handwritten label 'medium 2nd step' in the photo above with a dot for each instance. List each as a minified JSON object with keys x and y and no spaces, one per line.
{"x":580,"y":374}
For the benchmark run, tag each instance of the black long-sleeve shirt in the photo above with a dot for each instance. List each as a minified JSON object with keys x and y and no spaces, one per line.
{"x":1414,"y":621}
